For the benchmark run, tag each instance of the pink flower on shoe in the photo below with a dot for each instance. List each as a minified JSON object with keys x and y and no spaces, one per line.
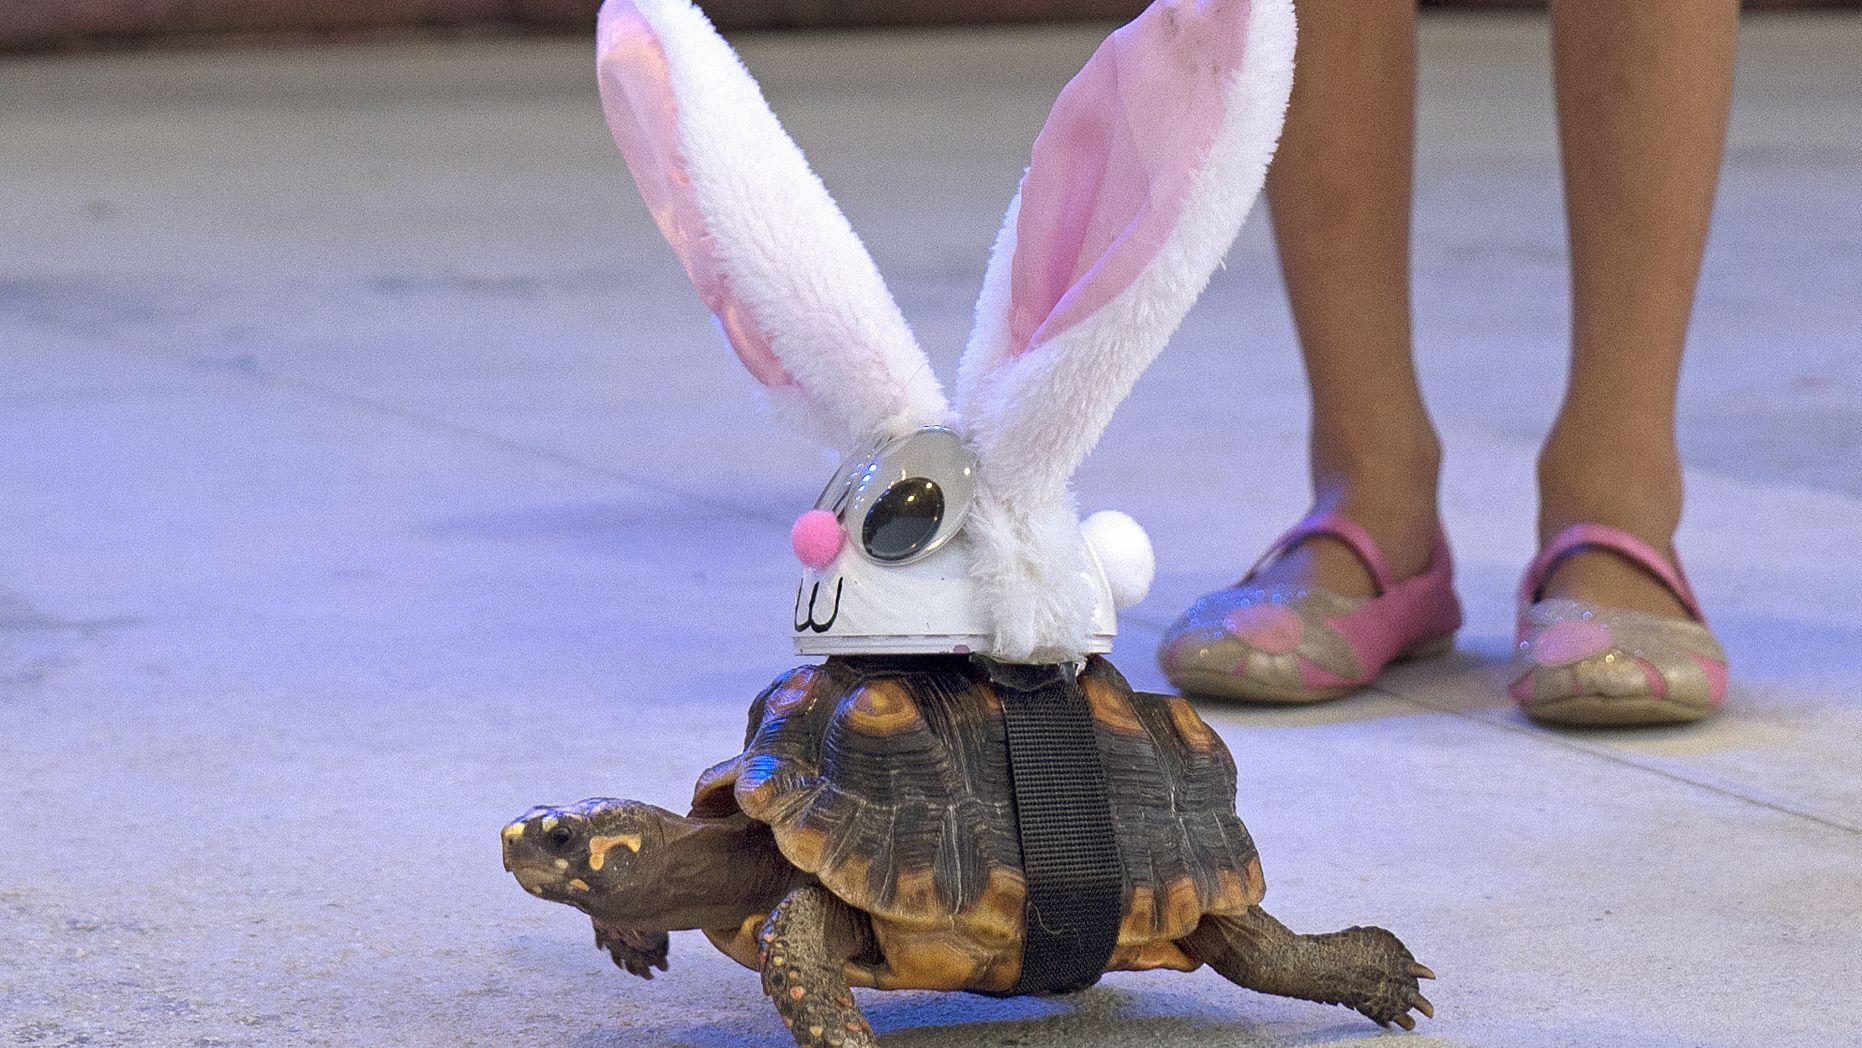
{"x":1572,"y":649}
{"x":1277,"y":638}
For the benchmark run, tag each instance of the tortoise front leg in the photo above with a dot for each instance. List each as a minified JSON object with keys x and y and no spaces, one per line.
{"x":805,"y":945}
{"x":635,"y":950}
{"x":1367,"y":969}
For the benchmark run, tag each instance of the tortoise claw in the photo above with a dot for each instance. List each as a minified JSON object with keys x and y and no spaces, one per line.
{"x":634,"y":952}
{"x":1423,"y":1006}
{"x":1406,"y":1022}
{"x":1420,"y":971}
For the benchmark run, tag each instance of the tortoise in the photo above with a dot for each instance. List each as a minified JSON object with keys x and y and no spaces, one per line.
{"x":865,"y":837}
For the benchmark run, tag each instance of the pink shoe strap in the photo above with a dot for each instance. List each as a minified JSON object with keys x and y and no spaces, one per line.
{"x":1618,"y":541}
{"x":1345,"y":530}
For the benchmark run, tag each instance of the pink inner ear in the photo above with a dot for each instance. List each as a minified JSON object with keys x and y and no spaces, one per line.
{"x":1114,"y":164}
{"x":643,"y":112}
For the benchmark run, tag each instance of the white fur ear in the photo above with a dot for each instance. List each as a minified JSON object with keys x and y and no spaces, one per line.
{"x":1139,"y":183}
{"x":770,"y":253}
{"x":1124,"y":554}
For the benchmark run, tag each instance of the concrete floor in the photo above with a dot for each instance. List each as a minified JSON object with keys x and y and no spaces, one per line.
{"x":368,"y":473}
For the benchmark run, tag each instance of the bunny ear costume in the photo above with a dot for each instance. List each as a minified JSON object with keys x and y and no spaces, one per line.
{"x":953,"y":528}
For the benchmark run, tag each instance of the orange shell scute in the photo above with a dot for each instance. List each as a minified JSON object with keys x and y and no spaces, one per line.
{"x":1196,"y":734}
{"x":882,"y":708}
{"x":1111,"y":708}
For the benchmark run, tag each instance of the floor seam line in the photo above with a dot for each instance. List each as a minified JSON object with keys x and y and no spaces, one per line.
{"x":1625,"y":761}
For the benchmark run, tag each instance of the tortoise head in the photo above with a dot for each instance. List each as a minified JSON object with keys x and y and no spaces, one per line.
{"x":594,"y":855}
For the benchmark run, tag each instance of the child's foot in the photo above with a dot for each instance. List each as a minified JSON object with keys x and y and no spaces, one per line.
{"x":1306,"y":627}
{"x":1585,"y":658}
{"x":1609,"y":630}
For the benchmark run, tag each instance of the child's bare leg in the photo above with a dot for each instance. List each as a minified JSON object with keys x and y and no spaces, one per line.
{"x":1340,"y":195}
{"x":1643,"y":91}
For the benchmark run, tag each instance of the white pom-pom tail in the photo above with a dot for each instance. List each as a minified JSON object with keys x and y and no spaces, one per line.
{"x":1124,"y":554}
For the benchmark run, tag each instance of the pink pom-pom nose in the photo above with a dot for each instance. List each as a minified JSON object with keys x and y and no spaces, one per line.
{"x":817,"y":537}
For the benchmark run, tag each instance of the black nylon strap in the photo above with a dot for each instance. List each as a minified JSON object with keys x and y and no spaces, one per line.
{"x":1063,"y":815}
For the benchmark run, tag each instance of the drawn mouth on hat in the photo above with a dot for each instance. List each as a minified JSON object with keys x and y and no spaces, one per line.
{"x":806,"y":620}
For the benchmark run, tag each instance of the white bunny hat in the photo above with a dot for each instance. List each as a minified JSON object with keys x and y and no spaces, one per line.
{"x":956,"y":530}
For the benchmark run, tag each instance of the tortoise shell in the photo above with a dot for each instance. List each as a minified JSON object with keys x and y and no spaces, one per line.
{"x":888,"y":780}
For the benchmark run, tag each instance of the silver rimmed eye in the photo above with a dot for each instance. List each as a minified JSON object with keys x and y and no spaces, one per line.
{"x":909,"y":498}
{"x":839,"y":488}
{"x":903,"y":521}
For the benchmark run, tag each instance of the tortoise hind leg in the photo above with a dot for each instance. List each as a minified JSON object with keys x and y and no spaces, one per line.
{"x":1366,"y":969}
{"x":803,"y":950}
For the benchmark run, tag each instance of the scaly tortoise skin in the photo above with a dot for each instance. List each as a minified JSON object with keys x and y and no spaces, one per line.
{"x":865,"y":837}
